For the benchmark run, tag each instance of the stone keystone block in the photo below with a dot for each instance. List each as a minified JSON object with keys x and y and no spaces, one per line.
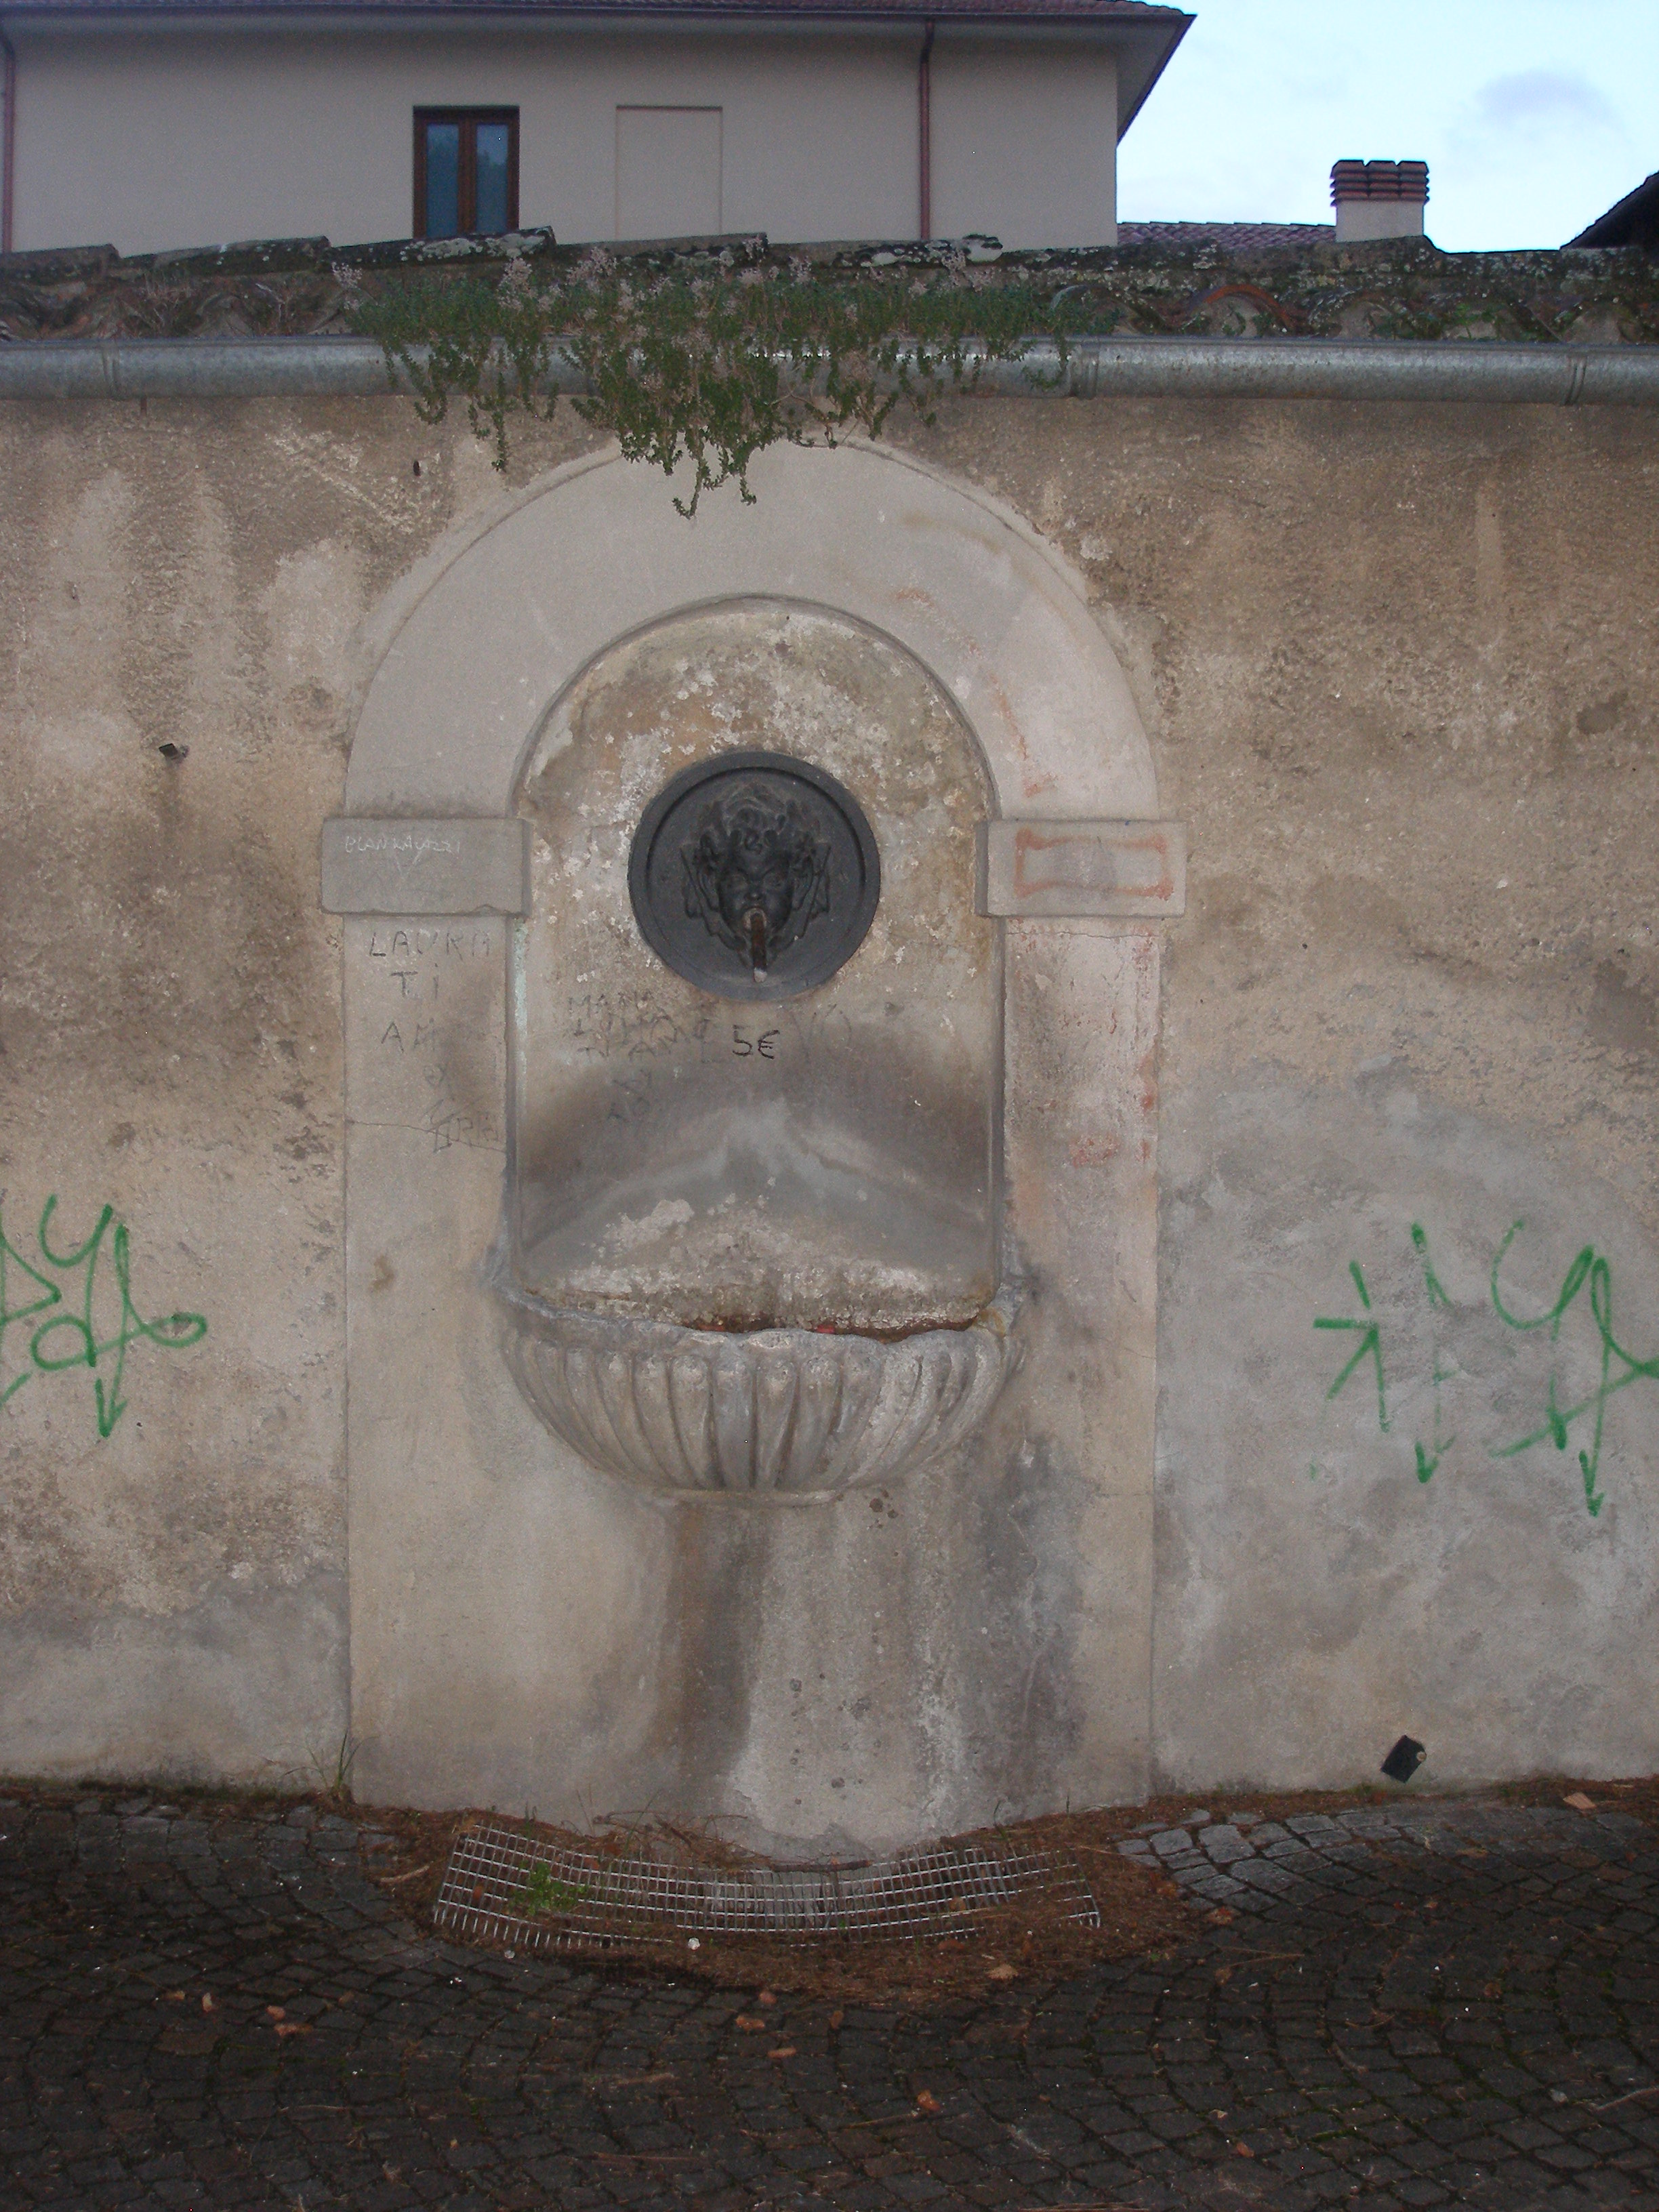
{"x":464,"y":865}
{"x":1062,"y":870}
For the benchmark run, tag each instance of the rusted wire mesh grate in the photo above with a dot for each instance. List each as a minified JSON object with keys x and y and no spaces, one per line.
{"x":504,"y":1885}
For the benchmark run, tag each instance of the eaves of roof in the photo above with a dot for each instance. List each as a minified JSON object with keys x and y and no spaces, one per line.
{"x":1134,"y":12}
{"x":1145,"y":35}
{"x":1632,"y":221}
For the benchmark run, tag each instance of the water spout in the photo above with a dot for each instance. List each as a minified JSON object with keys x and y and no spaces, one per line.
{"x":754,"y":923}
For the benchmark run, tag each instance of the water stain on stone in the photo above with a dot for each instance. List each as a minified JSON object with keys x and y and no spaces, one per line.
{"x":1622,"y":1014}
{"x":1595,"y":722}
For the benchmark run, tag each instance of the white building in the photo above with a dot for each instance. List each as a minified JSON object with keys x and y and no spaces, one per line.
{"x":157,"y":124}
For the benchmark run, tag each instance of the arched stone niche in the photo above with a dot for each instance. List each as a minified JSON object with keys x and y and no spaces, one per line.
{"x":826,"y":1160}
{"x":968,"y":1624}
{"x":752,"y":1245}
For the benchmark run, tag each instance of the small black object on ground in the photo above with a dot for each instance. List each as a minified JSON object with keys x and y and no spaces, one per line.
{"x":1403,"y":1762}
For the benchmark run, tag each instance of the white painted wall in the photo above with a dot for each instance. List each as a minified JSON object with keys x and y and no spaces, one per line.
{"x":1024,"y":143}
{"x":178,"y":138}
{"x":668,"y":171}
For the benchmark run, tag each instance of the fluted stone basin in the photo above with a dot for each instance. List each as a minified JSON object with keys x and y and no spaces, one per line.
{"x":779,"y":1412}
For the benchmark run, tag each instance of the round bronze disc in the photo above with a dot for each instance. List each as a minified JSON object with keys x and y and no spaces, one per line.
{"x":754,"y":875}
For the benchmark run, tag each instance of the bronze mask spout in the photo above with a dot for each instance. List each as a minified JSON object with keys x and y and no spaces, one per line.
{"x":769,"y":852}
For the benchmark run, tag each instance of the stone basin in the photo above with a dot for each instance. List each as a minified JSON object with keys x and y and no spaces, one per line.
{"x":778,"y":1413}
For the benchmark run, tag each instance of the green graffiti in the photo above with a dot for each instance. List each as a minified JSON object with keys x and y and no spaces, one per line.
{"x":1370,"y":1347}
{"x":1590,"y":1275}
{"x":1428,"y":1460}
{"x":1431,"y":1281}
{"x":1589,"y":1266}
{"x":85,"y":1325}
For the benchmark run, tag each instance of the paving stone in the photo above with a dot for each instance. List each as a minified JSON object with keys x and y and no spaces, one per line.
{"x":1220,"y":1888}
{"x":1336,"y":2028}
{"x":1263,"y":1874}
{"x":1223,"y":1843}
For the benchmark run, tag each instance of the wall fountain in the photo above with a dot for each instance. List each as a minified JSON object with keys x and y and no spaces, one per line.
{"x":751,"y":978}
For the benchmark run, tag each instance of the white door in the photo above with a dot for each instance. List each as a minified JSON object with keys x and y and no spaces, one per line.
{"x":668,"y":172}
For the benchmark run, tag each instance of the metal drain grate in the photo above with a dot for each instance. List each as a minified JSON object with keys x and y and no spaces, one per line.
{"x":503,"y":1885}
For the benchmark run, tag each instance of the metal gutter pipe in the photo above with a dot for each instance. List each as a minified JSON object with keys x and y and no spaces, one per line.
{"x":7,"y":137}
{"x":925,"y":134}
{"x":1486,"y":371}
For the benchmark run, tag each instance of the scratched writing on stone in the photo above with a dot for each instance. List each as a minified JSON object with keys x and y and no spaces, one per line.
{"x":67,"y":1309}
{"x":416,"y":957}
{"x":601,"y":1026}
{"x":634,"y":1094}
{"x":411,"y":845}
{"x":1506,"y":1382}
{"x":434,"y":1056}
{"x":607,"y":1027}
{"x":630,"y":1097}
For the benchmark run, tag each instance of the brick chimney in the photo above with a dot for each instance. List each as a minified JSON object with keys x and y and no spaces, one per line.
{"x":1379,"y":199}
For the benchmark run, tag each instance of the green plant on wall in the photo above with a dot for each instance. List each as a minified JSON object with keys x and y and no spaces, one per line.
{"x":709,"y":356}
{"x":710,"y":366}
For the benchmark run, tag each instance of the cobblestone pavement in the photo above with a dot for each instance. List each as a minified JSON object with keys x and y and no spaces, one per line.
{"x":1445,"y":2002}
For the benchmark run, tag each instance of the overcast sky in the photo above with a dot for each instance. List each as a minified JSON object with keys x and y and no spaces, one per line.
{"x":1534,"y":116}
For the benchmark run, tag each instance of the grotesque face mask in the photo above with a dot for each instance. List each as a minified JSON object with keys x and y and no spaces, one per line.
{"x":756,"y":873}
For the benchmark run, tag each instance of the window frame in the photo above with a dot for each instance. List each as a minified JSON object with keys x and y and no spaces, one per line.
{"x":468,"y":118}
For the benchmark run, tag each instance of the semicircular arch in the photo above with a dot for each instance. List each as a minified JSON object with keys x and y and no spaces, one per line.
{"x":598,"y":552}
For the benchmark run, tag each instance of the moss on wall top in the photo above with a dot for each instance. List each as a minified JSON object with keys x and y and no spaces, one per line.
{"x":711,"y":350}
{"x":1396,"y":289}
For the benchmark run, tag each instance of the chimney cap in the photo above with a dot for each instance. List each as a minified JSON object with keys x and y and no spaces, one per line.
{"x":1380,"y":181}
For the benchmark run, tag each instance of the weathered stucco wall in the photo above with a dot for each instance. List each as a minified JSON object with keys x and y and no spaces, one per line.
{"x":174,"y":1593}
{"x":1399,"y":666}
{"x":1398,"y":670}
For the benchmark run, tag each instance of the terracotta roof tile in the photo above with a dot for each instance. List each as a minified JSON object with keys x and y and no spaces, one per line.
{"x":1234,"y":237}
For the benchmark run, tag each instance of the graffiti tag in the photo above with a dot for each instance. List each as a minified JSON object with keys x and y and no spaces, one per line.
{"x":1587,"y":1287}
{"x":70,"y":1317}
